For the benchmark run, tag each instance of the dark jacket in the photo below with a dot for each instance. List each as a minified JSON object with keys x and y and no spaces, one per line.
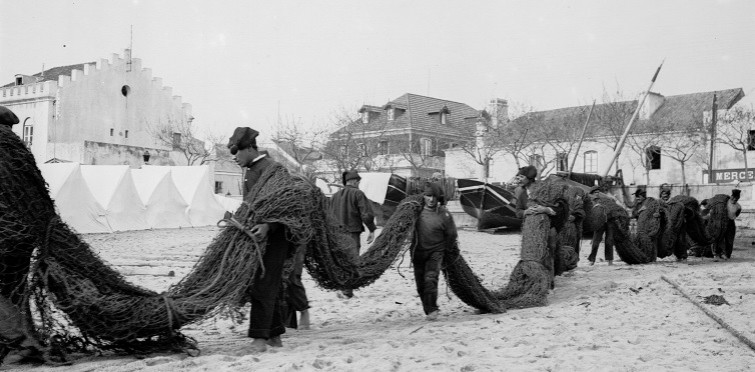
{"x":352,"y":210}
{"x":251,"y":176}
{"x":436,"y":233}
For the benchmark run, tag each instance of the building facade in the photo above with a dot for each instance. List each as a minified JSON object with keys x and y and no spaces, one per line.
{"x":670,"y":142}
{"x":102,"y":112}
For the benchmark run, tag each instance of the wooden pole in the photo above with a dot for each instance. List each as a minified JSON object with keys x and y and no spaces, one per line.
{"x":623,"y":139}
{"x":713,"y":119}
{"x":581,"y":138}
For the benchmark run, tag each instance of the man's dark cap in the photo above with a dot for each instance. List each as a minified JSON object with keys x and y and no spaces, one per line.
{"x":736,"y":192}
{"x":528,"y":171}
{"x":640,"y":192}
{"x":434,"y":189}
{"x":7,"y":117}
{"x":350,"y":175}
{"x":242,"y":138}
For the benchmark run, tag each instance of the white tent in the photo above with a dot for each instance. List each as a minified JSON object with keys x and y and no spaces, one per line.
{"x":229,"y":204}
{"x":374,"y":185}
{"x":193,"y":182}
{"x":166,"y":208}
{"x":114,"y":189}
{"x":73,"y":199}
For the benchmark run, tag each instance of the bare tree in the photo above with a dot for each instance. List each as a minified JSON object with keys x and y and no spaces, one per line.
{"x":516,"y":136}
{"x":735,"y":127}
{"x":354,"y":144}
{"x":559,"y":136}
{"x":180,"y":136}
{"x":301,"y":142}
{"x":613,"y":115}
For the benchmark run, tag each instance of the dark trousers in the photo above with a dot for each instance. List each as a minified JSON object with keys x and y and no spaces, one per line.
{"x":729,"y":234}
{"x":265,"y":319}
{"x":356,"y":239}
{"x":608,"y":246}
{"x":13,"y":272}
{"x":426,"y":274}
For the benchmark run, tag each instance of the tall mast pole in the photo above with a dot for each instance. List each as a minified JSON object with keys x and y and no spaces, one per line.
{"x":623,"y":139}
{"x":581,"y":137}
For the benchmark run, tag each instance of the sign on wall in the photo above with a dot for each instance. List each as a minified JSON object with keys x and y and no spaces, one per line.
{"x":730,"y":175}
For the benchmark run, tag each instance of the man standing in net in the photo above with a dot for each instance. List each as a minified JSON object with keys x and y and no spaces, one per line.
{"x":434,"y":233}
{"x":265,"y":319}
{"x":353,"y":212}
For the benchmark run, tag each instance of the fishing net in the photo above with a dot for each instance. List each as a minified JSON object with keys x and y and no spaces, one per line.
{"x":718,"y":217}
{"x":617,"y":219}
{"x":78,"y":299}
{"x":650,"y":220}
{"x":684,"y":220}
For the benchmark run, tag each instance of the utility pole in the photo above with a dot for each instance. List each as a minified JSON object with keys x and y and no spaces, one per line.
{"x":713,"y":119}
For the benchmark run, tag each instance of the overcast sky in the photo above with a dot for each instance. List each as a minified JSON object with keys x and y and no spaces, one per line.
{"x":247,"y":63}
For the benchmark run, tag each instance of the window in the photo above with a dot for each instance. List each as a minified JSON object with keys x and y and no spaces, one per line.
{"x":391,"y":113}
{"x":362,"y":149}
{"x":112,"y":131}
{"x":218,"y":187}
{"x":443,"y":118}
{"x":426,"y":146}
{"x":751,"y":140}
{"x":653,"y":157}
{"x":383,"y":147}
{"x":562,"y":160}
{"x":365,"y":117}
{"x":591,"y":162}
{"x":176,"y":140}
{"x":28,"y":132}
{"x":344,"y":151}
{"x":19,"y":80}
{"x":126,"y":133}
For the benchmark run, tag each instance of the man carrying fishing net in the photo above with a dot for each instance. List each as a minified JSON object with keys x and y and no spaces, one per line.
{"x":265,"y":322}
{"x":435,"y":232}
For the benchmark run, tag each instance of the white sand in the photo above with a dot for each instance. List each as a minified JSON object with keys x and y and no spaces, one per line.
{"x":600,"y":318}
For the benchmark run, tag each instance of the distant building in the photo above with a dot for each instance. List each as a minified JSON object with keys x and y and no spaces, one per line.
{"x":407,"y":136}
{"x":96,"y":113}
{"x":646,"y":157}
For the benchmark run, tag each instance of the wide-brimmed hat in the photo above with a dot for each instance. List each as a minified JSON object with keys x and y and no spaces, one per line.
{"x":242,"y":138}
{"x":350,"y":175}
{"x":528,"y":171}
{"x":7,"y":117}
{"x":640,"y":192}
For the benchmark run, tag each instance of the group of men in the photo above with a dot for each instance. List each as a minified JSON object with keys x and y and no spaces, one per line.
{"x":435,"y":231}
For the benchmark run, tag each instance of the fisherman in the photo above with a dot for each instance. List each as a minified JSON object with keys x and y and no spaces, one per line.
{"x":598,"y":233}
{"x":524,"y":179}
{"x":435,"y":232}
{"x":265,"y":320}
{"x":353,"y":212}
{"x":652,"y":225}
{"x":733,"y":209}
{"x":665,"y":193}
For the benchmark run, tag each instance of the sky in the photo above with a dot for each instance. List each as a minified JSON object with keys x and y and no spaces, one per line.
{"x":259,"y":63}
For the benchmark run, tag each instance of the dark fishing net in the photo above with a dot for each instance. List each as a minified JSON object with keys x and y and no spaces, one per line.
{"x":683,"y":221}
{"x":617,"y":220}
{"x":718,"y":217}
{"x":650,"y":220}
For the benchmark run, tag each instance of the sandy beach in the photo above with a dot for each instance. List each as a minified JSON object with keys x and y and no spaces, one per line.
{"x":599,"y":318}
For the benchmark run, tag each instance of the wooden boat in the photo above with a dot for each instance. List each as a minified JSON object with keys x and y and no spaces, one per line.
{"x":493,"y":206}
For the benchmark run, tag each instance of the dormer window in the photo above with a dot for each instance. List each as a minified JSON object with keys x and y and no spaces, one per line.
{"x":19,"y":80}
{"x":443,"y":118}
{"x":391,"y":113}
{"x":365,"y":117}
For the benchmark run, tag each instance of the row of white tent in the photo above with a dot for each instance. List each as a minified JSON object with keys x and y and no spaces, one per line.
{"x":108,"y":198}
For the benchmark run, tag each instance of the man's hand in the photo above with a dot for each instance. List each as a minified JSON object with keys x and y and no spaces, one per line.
{"x":539,"y":209}
{"x":370,"y":237}
{"x":260,"y":231}
{"x":571,"y":218}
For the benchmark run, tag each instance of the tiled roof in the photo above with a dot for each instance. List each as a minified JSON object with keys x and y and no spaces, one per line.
{"x":415,"y":114}
{"x":53,"y":73}
{"x":675,"y":111}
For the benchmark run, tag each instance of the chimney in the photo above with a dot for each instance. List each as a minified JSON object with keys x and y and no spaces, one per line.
{"x":499,"y":111}
{"x":653,"y":102}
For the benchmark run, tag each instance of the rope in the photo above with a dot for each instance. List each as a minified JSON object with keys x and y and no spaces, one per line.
{"x":713,"y":316}
{"x":238,"y":225}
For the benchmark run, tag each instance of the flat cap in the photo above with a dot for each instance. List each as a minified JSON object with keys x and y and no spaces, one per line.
{"x":7,"y":117}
